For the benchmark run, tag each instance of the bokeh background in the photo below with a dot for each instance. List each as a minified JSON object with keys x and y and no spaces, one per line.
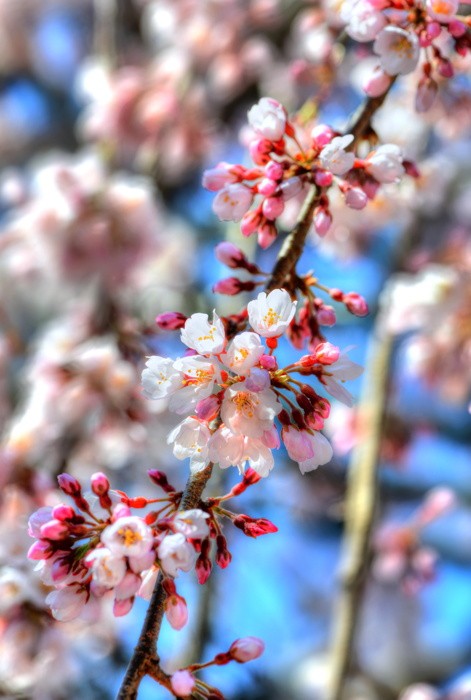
{"x":109,"y":113}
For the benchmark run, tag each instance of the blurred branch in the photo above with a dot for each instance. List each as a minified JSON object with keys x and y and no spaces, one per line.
{"x":104,"y":39}
{"x":361,"y":504}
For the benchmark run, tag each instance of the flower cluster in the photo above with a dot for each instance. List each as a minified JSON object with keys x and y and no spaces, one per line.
{"x":288,"y":160}
{"x":98,"y":546}
{"x":400,"y":555}
{"x":400,"y":31}
{"x":235,"y":390}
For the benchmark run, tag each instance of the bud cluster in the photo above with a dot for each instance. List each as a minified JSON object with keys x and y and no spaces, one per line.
{"x":288,"y":159}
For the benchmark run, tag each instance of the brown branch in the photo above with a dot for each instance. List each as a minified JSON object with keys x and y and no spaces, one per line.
{"x":145,"y":659}
{"x":361,"y":506}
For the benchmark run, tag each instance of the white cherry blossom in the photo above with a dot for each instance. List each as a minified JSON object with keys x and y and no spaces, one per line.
{"x":398,"y":50}
{"x":232,"y":202}
{"x":243,"y":352}
{"x":176,"y":553}
{"x":204,"y":336}
{"x":190,"y":440}
{"x":107,"y":568}
{"x":270,"y":315}
{"x":199,"y":375}
{"x":442,"y":10}
{"x":308,"y":449}
{"x":268,"y":119}
{"x":385,"y":164}
{"x":128,"y":536}
{"x":67,"y":603}
{"x":192,"y":523}
{"x":249,"y":413}
{"x":230,"y":450}
{"x":335,"y":158}
{"x":160,"y":378}
{"x":363,"y":21}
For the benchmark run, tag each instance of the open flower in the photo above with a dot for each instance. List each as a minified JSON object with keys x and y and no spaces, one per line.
{"x":385,"y":164}
{"x":190,"y":440}
{"x":270,"y":314}
{"x":230,"y":450}
{"x":160,"y":378}
{"x":398,"y":50}
{"x":243,"y":352}
{"x":309,"y":449}
{"x":128,"y":536}
{"x":202,"y":335}
{"x":335,"y":158}
{"x":176,"y":553}
{"x":231,"y":203}
{"x":249,"y":413}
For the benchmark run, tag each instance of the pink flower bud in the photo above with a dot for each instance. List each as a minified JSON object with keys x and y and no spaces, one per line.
{"x":182,"y":683}
{"x":258,"y":380}
{"x":426,"y":92}
{"x":230,"y":255}
{"x":271,"y":439}
{"x":326,"y":316}
{"x":268,"y":362}
{"x":259,"y":150}
{"x":322,"y":221}
{"x":433,"y":30}
{"x":266,"y":234}
{"x":223,"y":555}
{"x":355,"y":198}
{"x":216,"y":178}
{"x":356,"y":304}
{"x":377,"y":83}
{"x":327,"y":354}
{"x":267,"y":187}
{"x":69,"y":485}
{"x":250,"y":222}
{"x":171,"y":321}
{"x":254,"y":527}
{"x":273,"y":207}
{"x":456,"y":28}
{"x":322,"y":135}
{"x":37,"y":519}
{"x":445,"y":68}
{"x":160,"y":479}
{"x":54,"y":530}
{"x":274,"y":170}
{"x":232,"y":286}
{"x":246,"y":649}
{"x":176,"y":611}
{"x":100,"y":484}
{"x":63,"y":512}
{"x":39,"y":550}
{"x":315,"y":421}
{"x":323,"y":178}
{"x":207,"y":409}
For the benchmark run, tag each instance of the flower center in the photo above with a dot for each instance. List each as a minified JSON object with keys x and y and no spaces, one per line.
{"x":271,"y":317}
{"x":244,"y":403}
{"x":129,"y":536}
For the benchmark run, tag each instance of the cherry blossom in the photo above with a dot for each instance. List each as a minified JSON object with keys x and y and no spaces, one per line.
{"x":203,"y":336}
{"x":249,"y":413}
{"x":335,"y":158}
{"x":398,"y":50}
{"x":268,"y":119}
{"x":176,"y":553}
{"x":270,"y":314}
{"x":190,"y":440}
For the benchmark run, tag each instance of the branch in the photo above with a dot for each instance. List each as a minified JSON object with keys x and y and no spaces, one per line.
{"x":145,"y":659}
{"x":361,"y":504}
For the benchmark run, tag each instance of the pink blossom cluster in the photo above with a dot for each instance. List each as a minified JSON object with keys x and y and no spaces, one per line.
{"x":97,"y":546}
{"x":285,"y":168}
{"x":399,"y":554}
{"x":404,"y":31}
{"x":234,"y":391}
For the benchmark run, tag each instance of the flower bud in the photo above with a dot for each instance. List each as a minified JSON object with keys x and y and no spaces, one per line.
{"x":323,"y":178}
{"x":327,"y":354}
{"x":377,"y":83}
{"x":54,"y":530}
{"x":230,"y":255}
{"x":267,"y":187}
{"x":176,"y":611}
{"x":223,"y":555}
{"x":274,"y":170}
{"x":268,"y":362}
{"x":356,"y":304}
{"x":322,"y":221}
{"x":266,"y":234}
{"x":63,"y":512}
{"x":254,"y":527}
{"x":259,"y":150}
{"x":326,"y":316}
{"x":232,"y":286}
{"x":69,"y":485}
{"x":182,"y":683}
{"x":250,"y":222}
{"x":355,"y":198}
{"x":321,"y":135}
{"x":100,"y":484}
{"x":246,"y":649}
{"x":160,"y":479}
{"x":207,"y":409}
{"x":273,"y":207}
{"x":171,"y":321}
